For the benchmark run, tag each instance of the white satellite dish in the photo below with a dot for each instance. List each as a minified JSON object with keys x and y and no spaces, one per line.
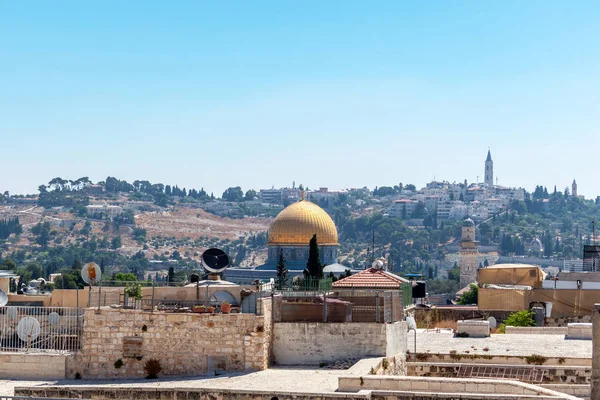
{"x":53,"y":318}
{"x":377,"y":264}
{"x":3,"y":298}
{"x":28,"y":329}
{"x":91,"y":273}
{"x":492,"y":322}
{"x":412,"y":324}
{"x":12,"y":312}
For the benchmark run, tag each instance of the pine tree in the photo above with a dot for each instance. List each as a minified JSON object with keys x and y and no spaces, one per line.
{"x":171,"y":275}
{"x":314,"y":268}
{"x":282,"y":272}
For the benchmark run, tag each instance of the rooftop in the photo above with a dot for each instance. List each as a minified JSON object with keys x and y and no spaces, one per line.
{"x":502,"y":344}
{"x":371,"y":278}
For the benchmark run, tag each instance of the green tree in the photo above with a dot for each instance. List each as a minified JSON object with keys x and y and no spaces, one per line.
{"x":34,"y":269}
{"x":282,"y":272}
{"x":454,"y":273}
{"x":519,"y":318}
{"x":233,"y":194}
{"x":314,"y":268}
{"x":470,"y":296}
{"x":42,"y":233}
{"x":250,"y":195}
{"x":116,"y":243}
{"x":8,"y":264}
{"x":171,"y":275}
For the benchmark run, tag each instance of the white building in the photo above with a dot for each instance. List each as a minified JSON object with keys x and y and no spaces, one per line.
{"x":398,"y":206}
{"x":104,"y":209}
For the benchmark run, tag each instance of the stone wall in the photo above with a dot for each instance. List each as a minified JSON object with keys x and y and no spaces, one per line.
{"x":32,"y":366}
{"x":185,"y":344}
{"x":427,"y":318}
{"x":312,"y":343}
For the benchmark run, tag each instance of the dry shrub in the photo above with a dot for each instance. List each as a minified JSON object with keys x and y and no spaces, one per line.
{"x":445,"y":324}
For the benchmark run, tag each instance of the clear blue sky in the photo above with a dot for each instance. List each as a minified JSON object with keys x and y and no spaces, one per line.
{"x":327,"y":93}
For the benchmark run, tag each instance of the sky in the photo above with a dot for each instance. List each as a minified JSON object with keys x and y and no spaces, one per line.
{"x":338,"y":94}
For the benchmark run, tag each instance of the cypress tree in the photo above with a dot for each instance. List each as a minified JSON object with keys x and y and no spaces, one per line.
{"x":314,"y":268}
{"x":282,"y":272}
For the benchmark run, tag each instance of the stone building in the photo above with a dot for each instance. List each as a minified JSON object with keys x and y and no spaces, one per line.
{"x":469,"y":250}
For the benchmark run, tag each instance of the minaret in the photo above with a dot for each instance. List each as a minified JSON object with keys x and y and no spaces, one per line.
{"x":489,"y":170}
{"x":469,"y":250}
{"x":574,"y":189}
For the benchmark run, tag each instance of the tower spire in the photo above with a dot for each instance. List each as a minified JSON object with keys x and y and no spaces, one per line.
{"x":489,"y":169}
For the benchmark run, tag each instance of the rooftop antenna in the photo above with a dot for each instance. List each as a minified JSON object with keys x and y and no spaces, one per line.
{"x":373,"y":251}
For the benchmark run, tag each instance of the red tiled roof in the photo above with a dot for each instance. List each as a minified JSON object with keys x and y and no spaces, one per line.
{"x":371,"y":278}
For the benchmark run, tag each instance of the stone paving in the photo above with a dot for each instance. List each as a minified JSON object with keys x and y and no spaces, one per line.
{"x":289,"y":379}
{"x":499,"y":344}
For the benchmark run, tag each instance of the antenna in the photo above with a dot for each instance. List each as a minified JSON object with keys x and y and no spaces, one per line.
{"x":373,"y":251}
{"x":215,"y":260}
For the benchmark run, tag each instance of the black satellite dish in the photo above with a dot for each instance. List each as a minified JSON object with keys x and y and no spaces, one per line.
{"x":215,"y":260}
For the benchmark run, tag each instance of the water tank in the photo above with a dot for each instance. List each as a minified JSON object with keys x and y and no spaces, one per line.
{"x":420,"y":290}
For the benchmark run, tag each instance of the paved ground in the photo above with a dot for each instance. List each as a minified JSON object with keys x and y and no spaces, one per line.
{"x":513,"y":345}
{"x":289,"y":379}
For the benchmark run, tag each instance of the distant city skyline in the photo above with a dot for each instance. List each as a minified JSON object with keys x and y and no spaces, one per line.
{"x":325,"y":94}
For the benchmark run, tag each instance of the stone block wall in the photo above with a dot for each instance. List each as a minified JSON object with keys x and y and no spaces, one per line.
{"x":32,"y":366}
{"x":311,"y":343}
{"x":185,"y":344}
{"x":476,"y":329}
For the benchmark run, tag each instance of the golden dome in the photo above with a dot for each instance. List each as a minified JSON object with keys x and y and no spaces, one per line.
{"x":297,"y":223}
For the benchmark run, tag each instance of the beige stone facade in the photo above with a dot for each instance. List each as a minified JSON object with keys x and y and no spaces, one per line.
{"x":185,"y":344}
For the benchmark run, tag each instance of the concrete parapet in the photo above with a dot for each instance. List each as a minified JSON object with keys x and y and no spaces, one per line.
{"x":444,"y":385}
{"x":472,"y":328}
{"x":579,"y":331}
{"x":535,"y":330}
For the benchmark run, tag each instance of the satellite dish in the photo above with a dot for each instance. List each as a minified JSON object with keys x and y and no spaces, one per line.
{"x":215,"y":260}
{"x":377,"y":264}
{"x":91,"y":273}
{"x":3,"y":298}
{"x":492,"y":322}
{"x":12,"y":312}
{"x":53,"y":318}
{"x":28,"y":329}
{"x":412,"y":324}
